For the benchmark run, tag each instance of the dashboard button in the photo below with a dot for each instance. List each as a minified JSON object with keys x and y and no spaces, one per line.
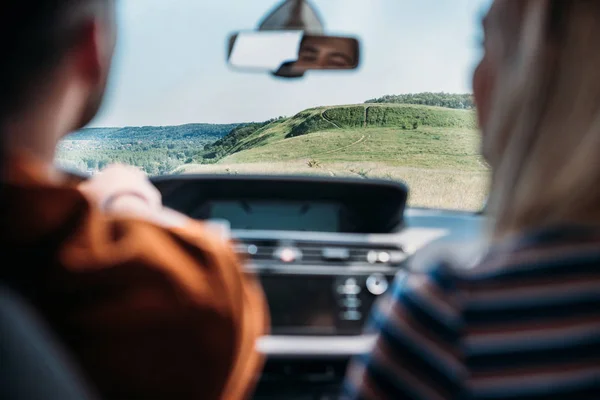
{"x":336,"y":254}
{"x":351,"y":315}
{"x":377,"y":284}
{"x":288,"y":254}
{"x":384,"y":257}
{"x":372,"y":257}
{"x":380,"y":257}
{"x":351,"y":302}
{"x":349,"y":289}
{"x":252,"y":249}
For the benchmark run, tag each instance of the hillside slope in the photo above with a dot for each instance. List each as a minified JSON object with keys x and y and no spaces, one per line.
{"x":434,"y":150}
{"x":345,"y":120}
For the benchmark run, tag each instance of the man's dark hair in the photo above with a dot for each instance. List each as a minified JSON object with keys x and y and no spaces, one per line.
{"x":34,"y":36}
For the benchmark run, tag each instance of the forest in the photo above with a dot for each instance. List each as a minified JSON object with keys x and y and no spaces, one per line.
{"x":447,"y":100}
{"x":157,"y":150}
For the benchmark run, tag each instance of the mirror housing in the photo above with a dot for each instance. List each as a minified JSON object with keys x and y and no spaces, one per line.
{"x":291,"y":41}
{"x":294,"y":15}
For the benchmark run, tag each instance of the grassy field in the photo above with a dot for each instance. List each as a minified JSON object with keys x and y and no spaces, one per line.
{"x":435,"y":151}
{"x":460,"y":190}
{"x":438,"y":148}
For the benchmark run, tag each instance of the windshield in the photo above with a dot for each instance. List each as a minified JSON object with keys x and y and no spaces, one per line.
{"x":174,"y":106}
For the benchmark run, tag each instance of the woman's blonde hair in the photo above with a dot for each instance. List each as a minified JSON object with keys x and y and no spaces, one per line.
{"x":543,"y":134}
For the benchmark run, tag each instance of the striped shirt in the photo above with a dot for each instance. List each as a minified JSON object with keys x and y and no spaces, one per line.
{"x":523,"y":324}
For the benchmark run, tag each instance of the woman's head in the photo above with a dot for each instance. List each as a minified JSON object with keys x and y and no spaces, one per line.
{"x":537,"y":90}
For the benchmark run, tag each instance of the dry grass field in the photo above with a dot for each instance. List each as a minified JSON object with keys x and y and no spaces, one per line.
{"x":431,"y":188}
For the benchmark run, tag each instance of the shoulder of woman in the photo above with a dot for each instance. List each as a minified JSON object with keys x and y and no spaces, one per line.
{"x":454,"y":256}
{"x":432,"y":298}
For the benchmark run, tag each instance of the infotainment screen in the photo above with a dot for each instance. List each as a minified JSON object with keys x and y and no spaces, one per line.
{"x":301,"y":305}
{"x":273,"y":215}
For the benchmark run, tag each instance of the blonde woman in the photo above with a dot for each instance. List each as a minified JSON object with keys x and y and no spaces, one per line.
{"x":525,"y":323}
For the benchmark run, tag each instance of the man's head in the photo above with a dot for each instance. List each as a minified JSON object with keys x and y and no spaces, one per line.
{"x":322,"y":53}
{"x":55,"y":51}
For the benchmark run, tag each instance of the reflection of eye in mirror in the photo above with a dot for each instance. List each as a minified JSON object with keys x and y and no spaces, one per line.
{"x":326,"y":52}
{"x":292,"y":53}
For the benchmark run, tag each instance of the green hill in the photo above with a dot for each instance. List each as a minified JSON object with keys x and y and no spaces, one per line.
{"x":434,"y":150}
{"x":329,"y":130}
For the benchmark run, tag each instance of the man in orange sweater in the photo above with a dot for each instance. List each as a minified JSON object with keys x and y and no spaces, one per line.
{"x":150,"y":303}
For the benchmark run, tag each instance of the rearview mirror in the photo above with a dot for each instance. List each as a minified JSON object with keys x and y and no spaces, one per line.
{"x":291,"y":53}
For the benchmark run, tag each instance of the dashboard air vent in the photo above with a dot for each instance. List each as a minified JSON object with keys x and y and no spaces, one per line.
{"x":319,"y":253}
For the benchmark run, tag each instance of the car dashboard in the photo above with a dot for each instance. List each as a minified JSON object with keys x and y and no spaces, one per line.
{"x":324,"y":249}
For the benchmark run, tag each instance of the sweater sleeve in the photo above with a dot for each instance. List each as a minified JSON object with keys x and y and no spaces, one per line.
{"x":147,"y":312}
{"x":162,"y":313}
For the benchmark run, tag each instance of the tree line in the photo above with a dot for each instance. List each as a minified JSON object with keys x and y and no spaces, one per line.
{"x":449,"y":100}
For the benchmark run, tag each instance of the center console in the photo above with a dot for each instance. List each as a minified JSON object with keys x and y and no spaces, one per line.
{"x":320,"y":294}
{"x":321,"y":287}
{"x":324,"y":251}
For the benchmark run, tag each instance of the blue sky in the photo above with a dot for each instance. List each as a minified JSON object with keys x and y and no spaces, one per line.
{"x":170,"y":66}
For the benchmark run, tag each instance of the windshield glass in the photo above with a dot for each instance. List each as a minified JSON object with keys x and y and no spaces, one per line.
{"x":174,"y":106}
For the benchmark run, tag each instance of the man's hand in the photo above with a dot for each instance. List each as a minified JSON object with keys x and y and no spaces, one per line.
{"x":123,"y":190}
